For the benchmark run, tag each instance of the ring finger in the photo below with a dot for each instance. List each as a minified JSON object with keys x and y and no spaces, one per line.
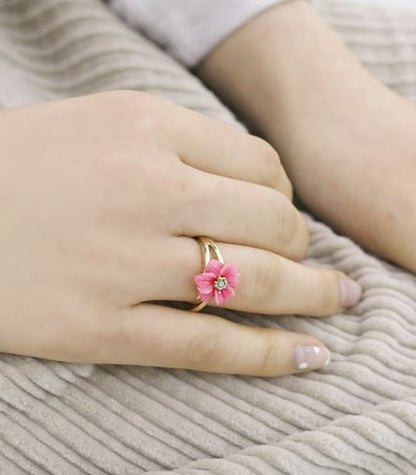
{"x":269,"y":283}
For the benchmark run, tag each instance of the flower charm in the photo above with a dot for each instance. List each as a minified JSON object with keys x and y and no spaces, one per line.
{"x":218,"y":280}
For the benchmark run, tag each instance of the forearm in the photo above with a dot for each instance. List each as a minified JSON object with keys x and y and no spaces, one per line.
{"x":284,"y":65}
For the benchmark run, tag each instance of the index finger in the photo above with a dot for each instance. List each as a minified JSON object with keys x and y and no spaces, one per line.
{"x":219,"y":148}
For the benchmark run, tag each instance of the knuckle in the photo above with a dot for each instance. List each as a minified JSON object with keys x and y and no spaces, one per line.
{"x":271,"y":171}
{"x":301,"y":252}
{"x":287,"y":222}
{"x":328,"y":297}
{"x":264,"y":149}
{"x":301,"y":249}
{"x":288,"y":189}
{"x":203,"y":350}
{"x":95,"y":336}
{"x":142,"y":112}
{"x":122,"y":98}
{"x":266,"y":278}
{"x":269,"y":358}
{"x":190,"y":193}
{"x":191,"y":187}
{"x":104,"y":333}
{"x":74,"y":341}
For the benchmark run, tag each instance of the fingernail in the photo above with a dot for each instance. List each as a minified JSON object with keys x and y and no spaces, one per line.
{"x":350,"y":292}
{"x":311,"y":357}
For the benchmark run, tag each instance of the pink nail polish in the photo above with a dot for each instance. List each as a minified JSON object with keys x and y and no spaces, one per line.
{"x":350,"y":292}
{"x":311,"y":357}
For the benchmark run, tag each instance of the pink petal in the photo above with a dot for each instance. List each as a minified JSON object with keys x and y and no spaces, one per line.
{"x":205,"y":277}
{"x":227,"y":293}
{"x":219,"y":299}
{"x":205,"y":289}
{"x":229,"y":271}
{"x":205,"y":282}
{"x":206,"y":297}
{"x":234,"y":280}
{"x":214,"y":266}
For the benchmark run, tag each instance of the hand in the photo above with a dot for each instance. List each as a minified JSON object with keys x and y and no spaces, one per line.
{"x":100,"y":199}
{"x":334,"y":125}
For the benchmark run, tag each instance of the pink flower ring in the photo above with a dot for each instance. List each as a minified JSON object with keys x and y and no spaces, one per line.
{"x":218,"y":280}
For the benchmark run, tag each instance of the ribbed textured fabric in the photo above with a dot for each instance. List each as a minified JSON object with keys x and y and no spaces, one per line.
{"x":358,"y":415}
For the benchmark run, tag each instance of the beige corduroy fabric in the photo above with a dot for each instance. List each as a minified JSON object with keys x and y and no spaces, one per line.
{"x":356,"y":416}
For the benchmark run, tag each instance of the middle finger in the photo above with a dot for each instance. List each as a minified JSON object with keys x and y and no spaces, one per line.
{"x":240,"y":212}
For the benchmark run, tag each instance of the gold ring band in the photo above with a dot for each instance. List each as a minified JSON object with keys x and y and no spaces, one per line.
{"x":209,"y":250}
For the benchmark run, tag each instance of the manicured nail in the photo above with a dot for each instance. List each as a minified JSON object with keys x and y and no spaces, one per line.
{"x":350,"y":292}
{"x":311,"y":357}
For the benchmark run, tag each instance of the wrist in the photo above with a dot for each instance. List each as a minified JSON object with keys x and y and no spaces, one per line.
{"x":249,"y":68}
{"x":278,"y":68}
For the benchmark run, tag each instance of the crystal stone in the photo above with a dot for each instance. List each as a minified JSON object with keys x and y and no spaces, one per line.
{"x":221,"y":283}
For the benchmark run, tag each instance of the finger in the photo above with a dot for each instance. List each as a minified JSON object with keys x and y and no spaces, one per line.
{"x":154,"y":335}
{"x":222,"y":149}
{"x":244,"y":213}
{"x":269,"y":283}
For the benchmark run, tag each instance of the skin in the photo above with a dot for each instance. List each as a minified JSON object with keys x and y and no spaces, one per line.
{"x":347,"y":142}
{"x":100,"y":199}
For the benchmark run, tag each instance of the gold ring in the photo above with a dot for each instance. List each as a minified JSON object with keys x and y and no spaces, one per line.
{"x":218,"y":278}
